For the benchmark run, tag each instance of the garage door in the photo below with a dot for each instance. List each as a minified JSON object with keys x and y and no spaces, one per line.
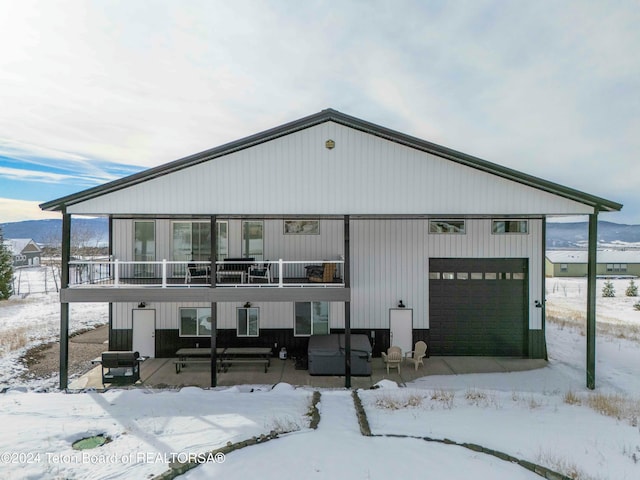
{"x":478,"y":306}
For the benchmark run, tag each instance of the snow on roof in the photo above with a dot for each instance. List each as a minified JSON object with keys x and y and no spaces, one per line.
{"x":17,"y":245}
{"x":604,"y":256}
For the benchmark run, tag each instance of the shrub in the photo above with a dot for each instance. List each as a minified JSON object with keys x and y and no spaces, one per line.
{"x":632,"y":289}
{"x":608,"y":290}
{"x":636,"y":306}
{"x":571,"y":398}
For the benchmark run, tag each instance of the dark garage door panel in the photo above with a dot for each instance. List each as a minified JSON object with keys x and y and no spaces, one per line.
{"x":479,"y":316}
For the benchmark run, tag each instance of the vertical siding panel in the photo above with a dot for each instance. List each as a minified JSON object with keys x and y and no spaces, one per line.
{"x":388,"y":266}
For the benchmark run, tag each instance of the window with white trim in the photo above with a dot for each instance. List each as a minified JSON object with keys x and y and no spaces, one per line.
{"x":253,"y":239}
{"x":509,"y":226}
{"x":447,"y":226}
{"x":195,"y":322}
{"x":311,"y":318}
{"x":248,"y":321}
{"x":192,"y":240}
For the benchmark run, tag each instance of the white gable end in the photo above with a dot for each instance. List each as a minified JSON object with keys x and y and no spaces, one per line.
{"x":297,"y":175}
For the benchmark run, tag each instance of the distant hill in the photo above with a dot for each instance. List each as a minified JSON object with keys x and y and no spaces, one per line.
{"x":576,"y":235}
{"x":95,"y":230}
{"x":559,"y":235}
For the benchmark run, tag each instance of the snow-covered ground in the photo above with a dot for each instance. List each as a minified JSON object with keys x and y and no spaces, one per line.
{"x":546,"y":416}
{"x":30,"y":320}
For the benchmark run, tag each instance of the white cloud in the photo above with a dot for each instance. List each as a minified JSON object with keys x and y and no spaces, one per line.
{"x":31,"y":175}
{"x":19,"y":210}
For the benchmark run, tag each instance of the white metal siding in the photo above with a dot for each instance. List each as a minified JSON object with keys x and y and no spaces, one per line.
{"x":328,"y":245}
{"x":390,"y":263}
{"x":272,"y":314}
{"x":296,"y":174}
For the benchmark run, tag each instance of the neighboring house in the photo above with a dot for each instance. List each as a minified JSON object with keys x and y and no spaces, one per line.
{"x":573,"y":263}
{"x":386,"y":219}
{"x":24,"y":251}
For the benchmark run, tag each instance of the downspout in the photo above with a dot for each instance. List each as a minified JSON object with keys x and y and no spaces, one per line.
{"x":64,"y":306}
{"x":591,"y":299}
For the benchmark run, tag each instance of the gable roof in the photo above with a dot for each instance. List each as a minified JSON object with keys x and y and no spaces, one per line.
{"x":330,"y":115}
{"x":603,"y":256}
{"x":18,"y":245}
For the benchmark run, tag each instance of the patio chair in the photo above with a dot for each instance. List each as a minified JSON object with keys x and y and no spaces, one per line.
{"x":321,"y":273}
{"x":196,"y":271}
{"x":416,"y":355}
{"x":260,"y":271}
{"x":393,"y":358}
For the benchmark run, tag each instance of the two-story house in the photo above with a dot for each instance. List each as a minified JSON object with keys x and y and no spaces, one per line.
{"x":325,"y":224}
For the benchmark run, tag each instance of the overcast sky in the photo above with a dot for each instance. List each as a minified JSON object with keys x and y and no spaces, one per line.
{"x":91,"y":91}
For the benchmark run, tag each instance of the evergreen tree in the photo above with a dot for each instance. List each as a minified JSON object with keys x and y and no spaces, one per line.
{"x":608,"y":290}
{"x":632,"y":289}
{"x":6,"y":270}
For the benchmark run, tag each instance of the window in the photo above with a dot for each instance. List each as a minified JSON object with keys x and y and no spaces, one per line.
{"x":564,"y":267}
{"x":447,"y":226}
{"x":144,"y":247}
{"x":311,"y":318}
{"x":509,"y":226}
{"x":253,"y":239}
{"x":616,"y":267}
{"x":195,"y":322}
{"x":248,"y":321}
{"x":144,"y":241}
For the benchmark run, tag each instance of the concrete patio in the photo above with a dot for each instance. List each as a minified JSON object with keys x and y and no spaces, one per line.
{"x":161,"y":373}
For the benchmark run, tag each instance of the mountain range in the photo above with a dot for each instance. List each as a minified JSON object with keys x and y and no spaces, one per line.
{"x":559,"y":235}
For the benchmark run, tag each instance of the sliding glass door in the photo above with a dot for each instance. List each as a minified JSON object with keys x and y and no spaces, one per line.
{"x":192,"y":242}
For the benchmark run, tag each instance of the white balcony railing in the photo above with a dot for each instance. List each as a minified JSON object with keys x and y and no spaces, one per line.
{"x":230,"y":273}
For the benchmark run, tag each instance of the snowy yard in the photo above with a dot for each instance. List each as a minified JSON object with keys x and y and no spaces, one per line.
{"x":545,"y":416}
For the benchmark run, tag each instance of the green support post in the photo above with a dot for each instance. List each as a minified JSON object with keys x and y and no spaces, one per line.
{"x":591,"y":300}
{"x":347,"y":308}
{"x":214,"y":305}
{"x":64,"y":307}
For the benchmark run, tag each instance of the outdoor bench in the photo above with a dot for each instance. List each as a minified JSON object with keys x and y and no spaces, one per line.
{"x":184,"y":361}
{"x":225,"y":363}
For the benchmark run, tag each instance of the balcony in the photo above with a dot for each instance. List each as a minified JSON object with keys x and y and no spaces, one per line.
{"x":233,"y":279}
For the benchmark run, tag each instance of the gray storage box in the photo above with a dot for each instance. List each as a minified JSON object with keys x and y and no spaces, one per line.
{"x":326,"y":354}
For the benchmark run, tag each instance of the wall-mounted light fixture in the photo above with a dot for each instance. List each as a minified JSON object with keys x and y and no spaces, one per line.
{"x":329,"y":144}
{"x":400,"y":304}
{"x":142,"y":305}
{"x":247,"y":305}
